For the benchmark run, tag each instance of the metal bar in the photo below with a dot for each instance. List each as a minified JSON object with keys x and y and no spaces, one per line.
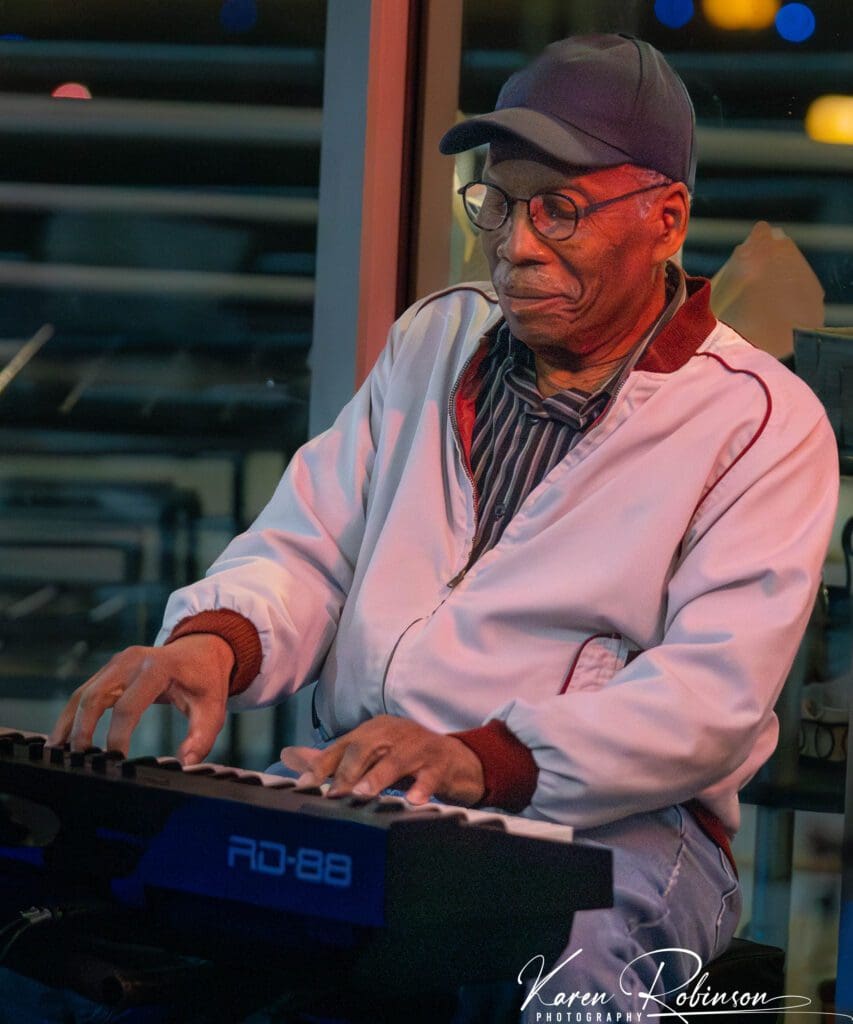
{"x":93,"y":198}
{"x":24,"y":354}
{"x":336,"y":305}
{"x":819,"y":237}
{"x":268,"y":64}
{"x":232,"y":124}
{"x":839,"y":314}
{"x":137,"y":281}
{"x":774,"y":854}
{"x":775,"y":150}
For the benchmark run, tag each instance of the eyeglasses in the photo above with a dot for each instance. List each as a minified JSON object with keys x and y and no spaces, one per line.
{"x":552,"y":214}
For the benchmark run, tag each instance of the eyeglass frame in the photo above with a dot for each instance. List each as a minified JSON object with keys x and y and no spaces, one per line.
{"x":580,"y":211}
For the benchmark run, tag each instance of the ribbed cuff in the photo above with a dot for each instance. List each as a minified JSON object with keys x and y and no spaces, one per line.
{"x":240,"y":635}
{"x":509,"y":771}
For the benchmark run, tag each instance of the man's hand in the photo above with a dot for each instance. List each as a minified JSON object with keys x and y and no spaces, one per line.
{"x":192,"y":673}
{"x":386,"y":749}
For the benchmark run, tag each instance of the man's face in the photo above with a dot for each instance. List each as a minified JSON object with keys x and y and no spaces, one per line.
{"x":572,"y":298}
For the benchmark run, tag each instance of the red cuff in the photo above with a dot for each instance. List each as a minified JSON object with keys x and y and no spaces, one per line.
{"x":509,"y":771}
{"x":240,"y":635}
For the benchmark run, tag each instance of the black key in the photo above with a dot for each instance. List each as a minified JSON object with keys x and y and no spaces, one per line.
{"x":128,"y":768}
{"x":308,"y":790}
{"x":170,"y":764}
{"x":36,"y":750}
{"x":390,"y":805}
{"x":281,"y":784}
{"x":77,"y":758}
{"x":57,"y":755}
{"x":249,"y":780}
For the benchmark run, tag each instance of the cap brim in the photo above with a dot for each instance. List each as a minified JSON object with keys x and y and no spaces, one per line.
{"x":563,"y":142}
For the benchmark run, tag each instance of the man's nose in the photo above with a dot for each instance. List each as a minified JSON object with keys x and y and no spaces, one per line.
{"x":520,"y":242}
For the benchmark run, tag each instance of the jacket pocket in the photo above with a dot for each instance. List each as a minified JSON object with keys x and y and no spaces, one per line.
{"x":597,"y":660}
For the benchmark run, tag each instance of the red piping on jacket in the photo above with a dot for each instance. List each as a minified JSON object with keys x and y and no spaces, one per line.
{"x":755,"y":436}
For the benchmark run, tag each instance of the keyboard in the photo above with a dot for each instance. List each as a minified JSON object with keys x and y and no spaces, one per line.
{"x":219,"y":860}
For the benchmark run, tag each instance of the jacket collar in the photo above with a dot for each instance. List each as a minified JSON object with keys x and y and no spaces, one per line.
{"x":685,"y":332}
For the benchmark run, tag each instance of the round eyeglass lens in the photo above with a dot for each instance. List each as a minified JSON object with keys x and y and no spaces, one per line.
{"x":485,"y":205}
{"x":553,"y":215}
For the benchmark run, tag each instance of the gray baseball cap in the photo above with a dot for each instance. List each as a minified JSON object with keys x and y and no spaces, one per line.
{"x":593,"y":101}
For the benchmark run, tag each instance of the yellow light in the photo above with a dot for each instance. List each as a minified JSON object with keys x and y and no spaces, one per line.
{"x":741,"y":14}
{"x":830,"y":119}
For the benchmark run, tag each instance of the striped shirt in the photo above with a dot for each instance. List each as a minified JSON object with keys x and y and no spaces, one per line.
{"x":519,"y":436}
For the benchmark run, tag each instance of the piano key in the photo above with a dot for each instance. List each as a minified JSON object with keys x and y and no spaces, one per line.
{"x":309,"y":790}
{"x":360,"y":801}
{"x":128,"y":768}
{"x":390,"y":805}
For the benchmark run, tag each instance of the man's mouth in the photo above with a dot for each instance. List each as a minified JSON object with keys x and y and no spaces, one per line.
{"x":519,"y":294}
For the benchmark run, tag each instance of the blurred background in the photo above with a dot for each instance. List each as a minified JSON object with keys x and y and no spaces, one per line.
{"x":170,"y":330}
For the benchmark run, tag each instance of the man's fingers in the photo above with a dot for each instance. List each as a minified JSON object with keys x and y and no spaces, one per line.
{"x":138,"y":695}
{"x":358,"y":761}
{"x":299,"y":759}
{"x":425,"y":785}
{"x":62,"y":728}
{"x":206,"y":718}
{"x":94,"y":699}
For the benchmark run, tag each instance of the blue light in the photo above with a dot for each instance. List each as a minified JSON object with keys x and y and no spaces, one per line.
{"x":795,"y":22}
{"x":673,"y":13}
{"x":238,"y":15}
{"x":13,"y":37}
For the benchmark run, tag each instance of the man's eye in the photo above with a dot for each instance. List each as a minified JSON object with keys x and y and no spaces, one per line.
{"x":557,"y":208}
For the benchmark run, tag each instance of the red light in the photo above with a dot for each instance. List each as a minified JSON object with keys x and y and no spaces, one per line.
{"x":71,"y":91}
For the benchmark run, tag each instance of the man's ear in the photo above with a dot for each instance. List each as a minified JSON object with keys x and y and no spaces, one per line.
{"x":672,"y":213}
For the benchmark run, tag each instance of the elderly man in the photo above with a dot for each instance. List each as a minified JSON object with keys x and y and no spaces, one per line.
{"x":556,"y":555}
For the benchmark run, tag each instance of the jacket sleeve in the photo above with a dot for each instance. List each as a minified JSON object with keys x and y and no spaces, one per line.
{"x":698,"y":707}
{"x":289,"y":574}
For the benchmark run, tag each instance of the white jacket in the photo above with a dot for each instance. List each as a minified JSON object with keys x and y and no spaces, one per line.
{"x":665,"y":568}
